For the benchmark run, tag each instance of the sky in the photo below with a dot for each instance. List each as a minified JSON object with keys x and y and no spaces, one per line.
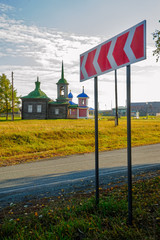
{"x":36,"y":35}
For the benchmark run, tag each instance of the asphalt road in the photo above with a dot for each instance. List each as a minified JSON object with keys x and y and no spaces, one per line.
{"x":72,"y":173}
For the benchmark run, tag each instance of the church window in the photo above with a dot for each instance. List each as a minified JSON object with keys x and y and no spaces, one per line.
{"x":30,"y":108}
{"x":82,"y":101}
{"x":56,"y":111}
{"x":62,"y":91}
{"x":39,"y":108}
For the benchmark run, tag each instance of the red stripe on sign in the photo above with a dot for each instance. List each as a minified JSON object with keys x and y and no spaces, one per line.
{"x":89,"y":64}
{"x":118,"y":52}
{"x":137,"y":44}
{"x":81,"y":60}
{"x":103,"y":61}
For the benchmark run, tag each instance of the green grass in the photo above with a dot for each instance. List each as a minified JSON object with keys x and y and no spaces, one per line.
{"x":77,"y":217}
{"x":16,"y":117}
{"x":28,"y":140}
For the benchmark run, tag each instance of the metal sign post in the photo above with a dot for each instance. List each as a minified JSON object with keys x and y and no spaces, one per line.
{"x":96,"y":140}
{"x":116,"y":100}
{"x":129,"y":145}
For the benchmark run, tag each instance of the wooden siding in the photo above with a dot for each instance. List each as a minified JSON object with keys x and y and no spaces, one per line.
{"x":63,"y":111}
{"x":34,"y":114}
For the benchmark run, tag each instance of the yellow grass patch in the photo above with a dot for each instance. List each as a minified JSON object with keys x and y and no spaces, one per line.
{"x":28,"y":140}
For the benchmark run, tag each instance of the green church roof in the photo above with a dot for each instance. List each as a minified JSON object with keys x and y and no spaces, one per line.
{"x":58,"y":103}
{"x":37,"y":93}
{"x":62,"y":80}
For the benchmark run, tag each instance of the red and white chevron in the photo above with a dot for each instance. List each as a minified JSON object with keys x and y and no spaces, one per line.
{"x":126,"y":48}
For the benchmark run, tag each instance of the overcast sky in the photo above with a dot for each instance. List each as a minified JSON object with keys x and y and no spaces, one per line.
{"x":36,"y":35}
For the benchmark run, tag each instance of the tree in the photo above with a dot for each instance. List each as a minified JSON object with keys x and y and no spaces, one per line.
{"x":6,"y":96}
{"x":156,"y":37}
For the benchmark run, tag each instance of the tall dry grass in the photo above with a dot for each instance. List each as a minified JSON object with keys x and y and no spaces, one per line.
{"x":26,"y":140}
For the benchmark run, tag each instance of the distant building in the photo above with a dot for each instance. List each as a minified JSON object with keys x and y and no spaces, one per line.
{"x":105,"y":112}
{"x":142,"y":108}
{"x":146,"y":108}
{"x":37,"y":105}
{"x":121,"y":111}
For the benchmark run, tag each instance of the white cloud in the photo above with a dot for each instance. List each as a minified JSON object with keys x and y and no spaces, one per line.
{"x":31,"y":51}
{"x":5,"y":8}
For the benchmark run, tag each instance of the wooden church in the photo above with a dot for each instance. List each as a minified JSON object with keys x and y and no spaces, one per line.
{"x":37,"y":105}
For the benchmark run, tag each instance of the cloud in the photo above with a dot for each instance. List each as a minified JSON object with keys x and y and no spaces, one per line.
{"x":30,"y":51}
{"x":5,"y":8}
{"x":40,"y":43}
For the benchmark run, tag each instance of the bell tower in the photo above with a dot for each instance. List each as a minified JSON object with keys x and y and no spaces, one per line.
{"x":62,"y":88}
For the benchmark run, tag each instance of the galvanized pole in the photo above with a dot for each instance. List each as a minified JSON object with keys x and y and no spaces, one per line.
{"x":129,"y":157}
{"x":116,"y":100}
{"x":12,"y":99}
{"x":96,"y":140}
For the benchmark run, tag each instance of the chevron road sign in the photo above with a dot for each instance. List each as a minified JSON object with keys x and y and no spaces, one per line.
{"x":124,"y":49}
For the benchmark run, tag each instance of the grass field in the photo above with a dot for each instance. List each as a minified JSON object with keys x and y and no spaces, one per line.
{"x":75,"y":217}
{"x":28,"y":140}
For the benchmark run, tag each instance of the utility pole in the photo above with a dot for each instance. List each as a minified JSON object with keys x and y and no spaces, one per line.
{"x":12,"y":99}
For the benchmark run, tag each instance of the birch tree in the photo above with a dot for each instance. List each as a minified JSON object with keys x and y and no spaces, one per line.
{"x":6,"y":96}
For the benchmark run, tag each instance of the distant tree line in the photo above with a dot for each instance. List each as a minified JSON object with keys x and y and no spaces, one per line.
{"x":6,"y":96}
